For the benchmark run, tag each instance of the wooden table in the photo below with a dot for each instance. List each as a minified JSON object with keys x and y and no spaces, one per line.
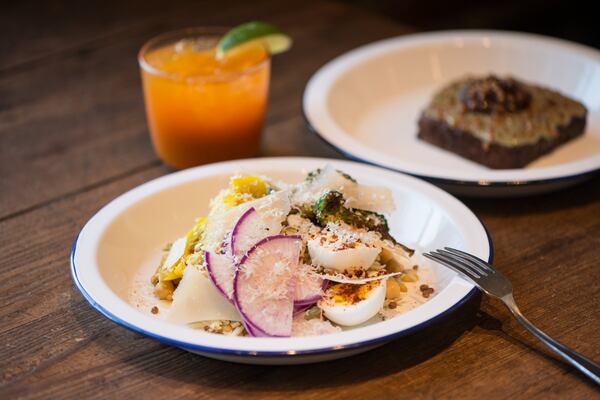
{"x":73,"y":136}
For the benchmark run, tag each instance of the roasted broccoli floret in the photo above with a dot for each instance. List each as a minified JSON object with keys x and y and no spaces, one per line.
{"x":305,"y":211}
{"x":331,"y":208}
{"x":372,"y":221}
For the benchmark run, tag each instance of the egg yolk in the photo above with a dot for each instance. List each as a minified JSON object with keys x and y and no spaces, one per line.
{"x":348,"y":293}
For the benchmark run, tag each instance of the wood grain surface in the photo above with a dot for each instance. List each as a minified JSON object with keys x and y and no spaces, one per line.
{"x":73,"y":136}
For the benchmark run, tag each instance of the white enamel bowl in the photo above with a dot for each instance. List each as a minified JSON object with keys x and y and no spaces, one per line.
{"x":366,"y":103}
{"x":134,"y":227}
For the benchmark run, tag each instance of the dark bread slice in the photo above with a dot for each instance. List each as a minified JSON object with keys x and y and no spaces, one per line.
{"x":494,"y":155}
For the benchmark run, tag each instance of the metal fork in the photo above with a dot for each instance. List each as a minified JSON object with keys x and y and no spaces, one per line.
{"x":495,"y":284}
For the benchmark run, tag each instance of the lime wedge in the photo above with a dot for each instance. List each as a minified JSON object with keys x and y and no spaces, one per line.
{"x":260,"y":32}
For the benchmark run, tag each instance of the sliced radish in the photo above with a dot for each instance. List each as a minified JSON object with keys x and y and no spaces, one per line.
{"x":309,"y":286}
{"x":253,"y":330}
{"x":273,"y":209}
{"x":298,"y":308}
{"x":248,"y":230}
{"x":264,"y":285}
{"x":221,"y":271}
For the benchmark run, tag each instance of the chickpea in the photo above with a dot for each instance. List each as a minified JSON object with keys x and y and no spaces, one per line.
{"x":393,"y":290}
{"x":402,"y":286}
{"x":394,"y":265}
{"x":410,"y":276}
{"x":164,"y":290}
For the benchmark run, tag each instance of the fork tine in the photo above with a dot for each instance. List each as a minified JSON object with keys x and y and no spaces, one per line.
{"x":461,"y":264}
{"x":452,"y":265}
{"x":471,"y":257}
{"x":434,"y":257}
{"x":482,"y":272}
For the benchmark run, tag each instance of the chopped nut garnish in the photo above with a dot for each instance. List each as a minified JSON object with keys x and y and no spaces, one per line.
{"x":154,"y":310}
{"x":223,"y":327}
{"x":392,"y":305}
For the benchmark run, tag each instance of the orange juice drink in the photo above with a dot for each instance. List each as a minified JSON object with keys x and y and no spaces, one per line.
{"x":202,"y":108}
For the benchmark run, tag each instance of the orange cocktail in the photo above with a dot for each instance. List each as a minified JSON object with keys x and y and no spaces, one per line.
{"x":202,"y":108}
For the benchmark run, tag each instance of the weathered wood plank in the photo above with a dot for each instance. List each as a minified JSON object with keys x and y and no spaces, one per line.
{"x":82,"y":117}
{"x":45,"y":32}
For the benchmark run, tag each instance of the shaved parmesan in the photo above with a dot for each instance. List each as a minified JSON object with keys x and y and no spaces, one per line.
{"x":371,"y":198}
{"x":196,"y":299}
{"x":175,"y":253}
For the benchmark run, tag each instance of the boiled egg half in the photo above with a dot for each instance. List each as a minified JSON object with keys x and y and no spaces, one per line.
{"x":348,"y":304}
{"x":322,"y":255}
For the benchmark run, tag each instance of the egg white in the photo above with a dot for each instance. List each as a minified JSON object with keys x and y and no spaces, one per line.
{"x":355,"y":314}
{"x":340,"y":260}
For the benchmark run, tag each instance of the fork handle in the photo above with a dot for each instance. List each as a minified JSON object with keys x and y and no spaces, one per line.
{"x":582,"y":363}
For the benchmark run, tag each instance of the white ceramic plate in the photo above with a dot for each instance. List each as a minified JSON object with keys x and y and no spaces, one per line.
{"x":366,"y":103}
{"x":133,"y":228}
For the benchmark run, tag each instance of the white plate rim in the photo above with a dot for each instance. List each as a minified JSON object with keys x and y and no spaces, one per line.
{"x":319,"y":123}
{"x":99,"y":296}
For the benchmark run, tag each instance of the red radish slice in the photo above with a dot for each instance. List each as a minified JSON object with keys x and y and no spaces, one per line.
{"x":264,"y":285}
{"x":221,"y":272}
{"x":309,"y":286}
{"x":248,"y":230}
{"x":252,"y":330}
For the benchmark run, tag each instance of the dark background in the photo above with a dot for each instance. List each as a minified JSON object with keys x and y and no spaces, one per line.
{"x":572,"y":20}
{"x":44,"y":21}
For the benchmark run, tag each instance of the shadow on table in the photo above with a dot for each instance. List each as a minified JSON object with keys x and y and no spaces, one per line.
{"x":400,"y":354}
{"x":152,"y":358}
{"x":508,"y":330}
{"x":573,"y":197}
